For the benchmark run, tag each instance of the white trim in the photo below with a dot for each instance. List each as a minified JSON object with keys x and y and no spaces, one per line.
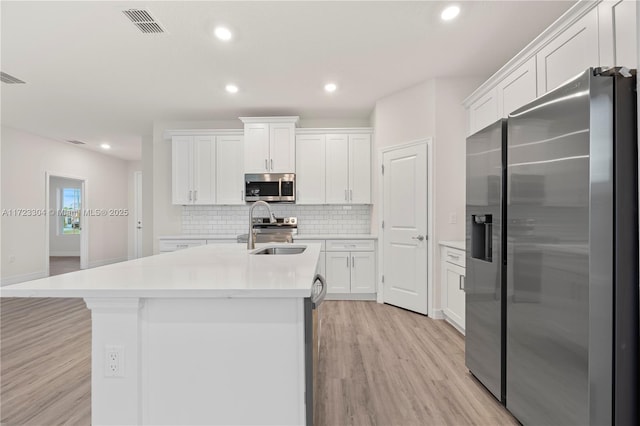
{"x":431,"y":312}
{"x":168,"y":134}
{"x":84,"y":221}
{"x":438,"y":314}
{"x":567,"y":19}
{"x":350,"y":296}
{"x":137,"y":209}
{"x":15,"y":279}
{"x":340,"y":130}
{"x":286,"y":119}
{"x":104,"y":262}
{"x":74,"y":253}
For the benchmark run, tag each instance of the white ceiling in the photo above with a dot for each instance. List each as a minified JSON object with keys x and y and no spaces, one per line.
{"x":92,"y":76}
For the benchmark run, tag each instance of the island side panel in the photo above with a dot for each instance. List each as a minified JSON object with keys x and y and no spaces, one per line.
{"x":115,"y":395}
{"x":221,"y":361}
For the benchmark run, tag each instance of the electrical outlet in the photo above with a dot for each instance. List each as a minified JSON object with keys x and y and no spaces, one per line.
{"x":346,"y":207}
{"x":453,"y":218}
{"x":113,"y":361}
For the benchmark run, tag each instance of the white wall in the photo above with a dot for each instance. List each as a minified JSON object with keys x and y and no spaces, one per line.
{"x":430,"y":109}
{"x":25,"y":160}
{"x":60,"y":244}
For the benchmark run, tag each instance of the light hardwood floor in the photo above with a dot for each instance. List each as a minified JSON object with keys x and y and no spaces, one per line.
{"x":379,"y":365}
{"x":63,"y":264}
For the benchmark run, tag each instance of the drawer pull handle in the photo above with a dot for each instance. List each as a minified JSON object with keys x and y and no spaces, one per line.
{"x":461,"y":283}
{"x":455,"y":256}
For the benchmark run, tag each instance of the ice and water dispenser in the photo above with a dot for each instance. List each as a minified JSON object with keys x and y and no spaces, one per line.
{"x":482,"y":237}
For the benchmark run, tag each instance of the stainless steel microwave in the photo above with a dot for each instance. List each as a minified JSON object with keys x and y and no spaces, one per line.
{"x":272,"y":187}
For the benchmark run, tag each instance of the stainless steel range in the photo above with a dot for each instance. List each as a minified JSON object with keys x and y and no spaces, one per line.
{"x":282,"y":231}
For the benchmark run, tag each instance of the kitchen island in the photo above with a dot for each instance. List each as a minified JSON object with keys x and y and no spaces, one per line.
{"x":209,"y":335}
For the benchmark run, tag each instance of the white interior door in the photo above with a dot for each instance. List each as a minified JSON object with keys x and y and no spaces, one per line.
{"x":137,"y":252}
{"x":405,"y":227}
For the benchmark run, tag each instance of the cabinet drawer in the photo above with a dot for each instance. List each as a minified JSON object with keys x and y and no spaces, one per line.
{"x":173,"y":245}
{"x":455,"y":256}
{"x":303,"y":241}
{"x":350,"y":245}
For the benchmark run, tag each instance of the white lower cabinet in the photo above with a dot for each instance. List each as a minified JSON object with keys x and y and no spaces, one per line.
{"x":349,"y":267}
{"x":452,"y":276}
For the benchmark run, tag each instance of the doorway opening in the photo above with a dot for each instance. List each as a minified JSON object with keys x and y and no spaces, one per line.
{"x":66,"y":233}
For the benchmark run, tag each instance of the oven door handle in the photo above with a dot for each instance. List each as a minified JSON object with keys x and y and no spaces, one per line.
{"x":316,"y":299}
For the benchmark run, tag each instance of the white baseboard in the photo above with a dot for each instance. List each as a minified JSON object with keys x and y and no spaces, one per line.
{"x":97,"y":263}
{"x":437,"y":314}
{"x":351,"y":296}
{"x":63,"y":253}
{"x":22,"y":278}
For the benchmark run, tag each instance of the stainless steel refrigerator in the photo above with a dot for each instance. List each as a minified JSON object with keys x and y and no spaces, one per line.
{"x":566,"y":283}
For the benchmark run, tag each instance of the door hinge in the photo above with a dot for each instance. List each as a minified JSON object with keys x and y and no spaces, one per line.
{"x":383,"y":169}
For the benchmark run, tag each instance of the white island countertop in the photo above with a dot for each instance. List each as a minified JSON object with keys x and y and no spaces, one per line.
{"x":213,"y":270}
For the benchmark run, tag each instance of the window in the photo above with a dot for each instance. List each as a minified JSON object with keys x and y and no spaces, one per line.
{"x":70,"y":210}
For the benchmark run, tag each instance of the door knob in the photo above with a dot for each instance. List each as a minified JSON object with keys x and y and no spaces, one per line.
{"x":419,"y":238}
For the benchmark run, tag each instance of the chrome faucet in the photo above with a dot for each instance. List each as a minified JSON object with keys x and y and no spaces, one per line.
{"x":251,"y":238}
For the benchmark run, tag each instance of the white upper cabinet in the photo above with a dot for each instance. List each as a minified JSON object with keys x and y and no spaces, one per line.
{"x":590,"y":34}
{"x":269,"y":144}
{"x":360,"y":169}
{"x":570,"y":53}
{"x":333,"y":168}
{"x":617,"y":30}
{"x":337,"y":157}
{"x":517,"y":89}
{"x":256,"y":148}
{"x":193,"y":169}
{"x":310,"y":169}
{"x":229,"y":170}
{"x":207,"y":169}
{"x":182,"y":169}
{"x":483,"y":112}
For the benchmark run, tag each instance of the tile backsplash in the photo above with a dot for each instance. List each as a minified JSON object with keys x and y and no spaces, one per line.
{"x":233,"y":220}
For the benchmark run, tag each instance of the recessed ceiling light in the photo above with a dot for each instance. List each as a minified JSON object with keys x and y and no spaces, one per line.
{"x":231,"y":88}
{"x":223,"y":33}
{"x":330,"y":87}
{"x":449,"y":13}
{"x":105,"y":146}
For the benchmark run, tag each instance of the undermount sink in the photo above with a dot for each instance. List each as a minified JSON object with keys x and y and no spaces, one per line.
{"x":280,"y":250}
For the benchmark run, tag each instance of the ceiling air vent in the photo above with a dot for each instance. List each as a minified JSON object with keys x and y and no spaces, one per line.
{"x":75,"y":142}
{"x":9,"y":79}
{"x":144,"y":21}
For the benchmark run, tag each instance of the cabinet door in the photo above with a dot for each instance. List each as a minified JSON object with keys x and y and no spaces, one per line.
{"x":204,"y":170}
{"x":569,"y":54}
{"x":518,"y":89}
{"x":310,"y":169}
{"x":454,"y":288}
{"x":181,"y":169}
{"x":256,"y":148}
{"x":229,"y":170}
{"x":337,"y":167}
{"x":338,"y":266}
{"x":360,"y":169}
{"x":483,"y":112}
{"x":282,"y":148}
{"x":617,"y":32}
{"x":363,"y":272}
